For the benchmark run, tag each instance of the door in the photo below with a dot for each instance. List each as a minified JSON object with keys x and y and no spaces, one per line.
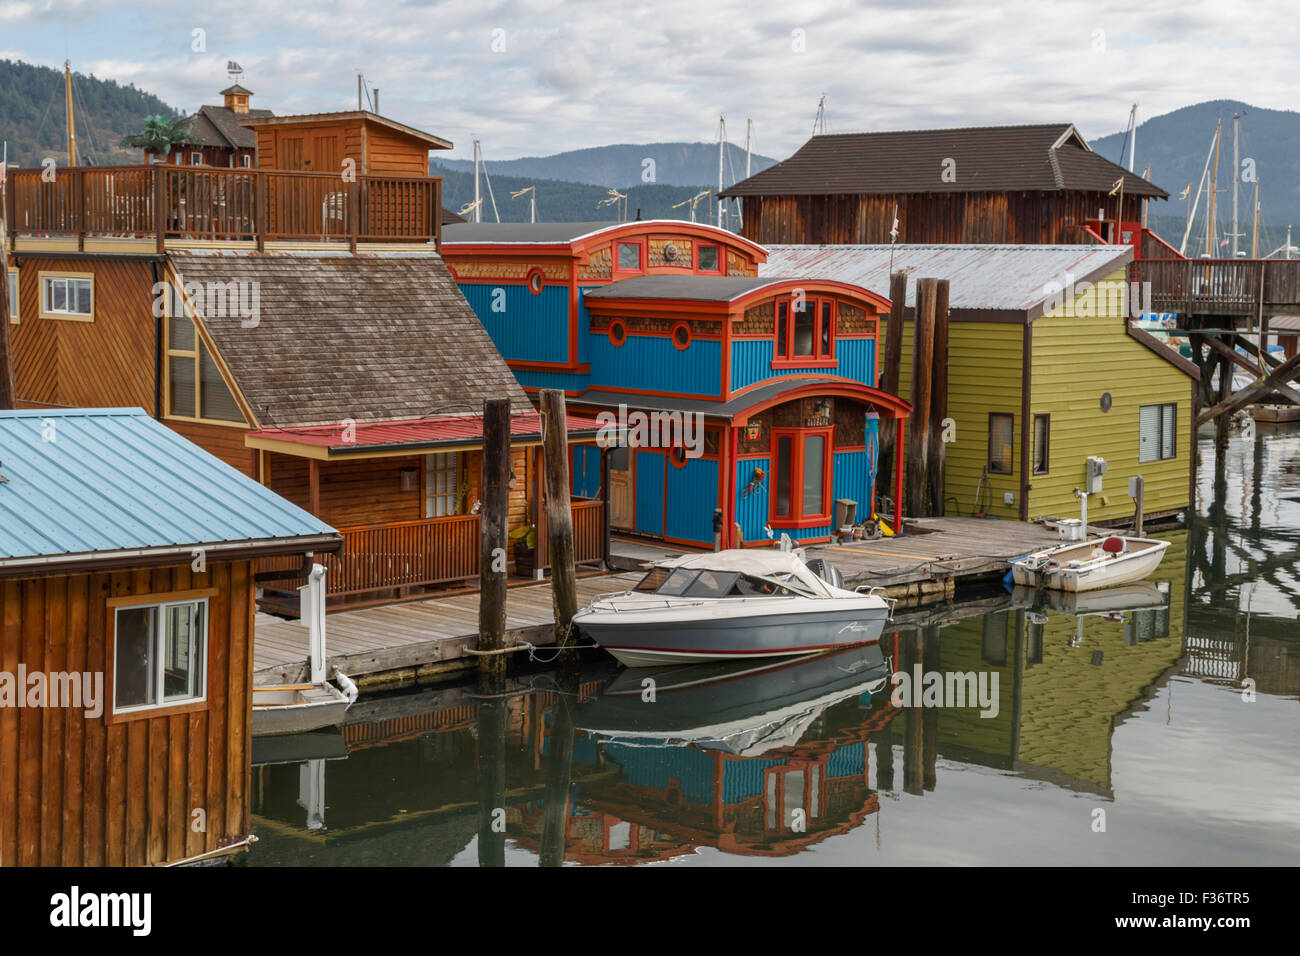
{"x":621,"y":511}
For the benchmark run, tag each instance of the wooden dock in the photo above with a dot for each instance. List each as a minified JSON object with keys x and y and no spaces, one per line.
{"x":404,"y":643}
{"x":400,"y":643}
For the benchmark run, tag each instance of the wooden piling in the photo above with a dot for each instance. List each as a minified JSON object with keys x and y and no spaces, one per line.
{"x":492,"y":721}
{"x":889,"y":382}
{"x":8,"y":399}
{"x":938,"y":397}
{"x":559,"y":516}
{"x":559,"y":772}
{"x":492,"y":544}
{"x":918,"y":449}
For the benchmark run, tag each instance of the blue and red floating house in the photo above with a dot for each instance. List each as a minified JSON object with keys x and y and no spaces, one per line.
{"x":667,"y":324}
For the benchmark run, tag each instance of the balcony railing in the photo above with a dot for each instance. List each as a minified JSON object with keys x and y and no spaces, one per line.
{"x":431,"y":551}
{"x":1219,"y":286}
{"x":204,"y":203}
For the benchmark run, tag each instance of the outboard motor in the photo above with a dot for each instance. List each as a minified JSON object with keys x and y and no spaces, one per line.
{"x":827,"y":572}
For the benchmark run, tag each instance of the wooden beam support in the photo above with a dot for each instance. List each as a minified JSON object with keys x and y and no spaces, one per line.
{"x":892,"y":368}
{"x":492,"y":543}
{"x":938,"y":396}
{"x":1232,"y":355}
{"x":922,"y":369}
{"x":559,"y":516}
{"x":313,"y":486}
{"x":1283,"y":373}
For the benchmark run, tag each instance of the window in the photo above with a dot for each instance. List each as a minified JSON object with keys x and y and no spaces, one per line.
{"x":1042,"y":443}
{"x":196,"y":159}
{"x":159,"y":655}
{"x":1158,"y":432}
{"x":535,"y":281}
{"x":802,"y":471}
{"x":1001,"y":443}
{"x":13,"y":294}
{"x":195,"y":386}
{"x":708,"y":260}
{"x":67,"y":296}
{"x":617,"y":333}
{"x":681,"y":335}
{"x":442,"y":492}
{"x":629,"y":257}
{"x":246,"y":161}
{"x":805,"y":331}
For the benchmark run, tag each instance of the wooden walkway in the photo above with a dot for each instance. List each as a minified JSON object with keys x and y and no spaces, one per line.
{"x":416,"y":639}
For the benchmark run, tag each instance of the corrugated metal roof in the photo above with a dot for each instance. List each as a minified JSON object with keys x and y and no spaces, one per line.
{"x":994,"y":277}
{"x":441,"y":430}
{"x":1047,"y":158}
{"x":109,"y":480}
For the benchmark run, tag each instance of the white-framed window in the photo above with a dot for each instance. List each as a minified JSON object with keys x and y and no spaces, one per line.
{"x":442,"y":492}
{"x":160,"y":653}
{"x":196,"y":159}
{"x":12,"y":279}
{"x":67,"y":296}
{"x":246,"y":161}
{"x":1158,"y":432}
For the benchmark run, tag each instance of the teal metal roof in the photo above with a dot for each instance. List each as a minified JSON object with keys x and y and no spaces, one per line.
{"x":94,"y":483}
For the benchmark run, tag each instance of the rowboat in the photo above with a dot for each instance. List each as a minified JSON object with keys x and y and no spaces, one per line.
{"x":730,"y":605}
{"x":299,"y":708}
{"x":1089,"y":565}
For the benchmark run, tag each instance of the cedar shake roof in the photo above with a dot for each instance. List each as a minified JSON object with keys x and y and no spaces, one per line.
{"x":219,"y":126}
{"x":366,"y":337}
{"x":1045,"y":158}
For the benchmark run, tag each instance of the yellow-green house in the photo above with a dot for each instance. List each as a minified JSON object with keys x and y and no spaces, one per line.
{"x":1044,"y":371}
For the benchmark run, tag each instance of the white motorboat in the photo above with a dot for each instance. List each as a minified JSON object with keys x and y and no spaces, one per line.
{"x":729,"y":605}
{"x":1089,"y":565}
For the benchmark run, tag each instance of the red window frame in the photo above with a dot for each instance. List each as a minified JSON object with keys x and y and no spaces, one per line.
{"x":640,"y":254}
{"x":799,"y":436}
{"x":617,"y":333}
{"x":716,"y":271}
{"x":825,"y":329}
{"x":681,"y":326}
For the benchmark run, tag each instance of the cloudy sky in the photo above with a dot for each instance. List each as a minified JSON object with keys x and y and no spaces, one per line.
{"x":532,"y":77}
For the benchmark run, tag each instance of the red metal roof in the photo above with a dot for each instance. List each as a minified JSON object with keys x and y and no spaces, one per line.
{"x":442,"y":430}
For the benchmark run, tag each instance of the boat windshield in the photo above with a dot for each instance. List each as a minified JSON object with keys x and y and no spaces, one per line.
{"x":689,"y":582}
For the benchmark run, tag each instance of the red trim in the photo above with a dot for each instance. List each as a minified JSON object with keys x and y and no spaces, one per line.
{"x":641,"y":256}
{"x":846,"y":388}
{"x":700,"y":247}
{"x":582,"y":368}
{"x":616,"y":324}
{"x":535,"y":271}
{"x":898,"y":477}
{"x":696,"y":650}
{"x":672,"y":460}
{"x":678,"y":344}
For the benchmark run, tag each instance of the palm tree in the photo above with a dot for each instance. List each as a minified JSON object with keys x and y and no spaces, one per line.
{"x":161,"y":135}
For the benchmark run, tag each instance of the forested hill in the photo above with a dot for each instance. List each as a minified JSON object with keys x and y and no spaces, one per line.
{"x":33,"y":115}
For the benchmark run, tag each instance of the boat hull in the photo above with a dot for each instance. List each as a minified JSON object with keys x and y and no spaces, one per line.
{"x":314,"y":710}
{"x":1126,"y":569}
{"x":647,"y":643}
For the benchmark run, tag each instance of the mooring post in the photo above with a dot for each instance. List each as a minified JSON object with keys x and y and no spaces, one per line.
{"x":918,"y":449}
{"x":492,"y":720}
{"x":938,"y":396}
{"x":559,"y":516}
{"x":492,"y":542}
{"x":559,"y":771}
{"x":892,"y":367}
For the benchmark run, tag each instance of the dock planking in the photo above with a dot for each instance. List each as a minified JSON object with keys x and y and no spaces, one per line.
{"x":427,"y":636}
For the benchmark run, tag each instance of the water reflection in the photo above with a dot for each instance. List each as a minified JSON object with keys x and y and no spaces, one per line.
{"x":777,"y":762}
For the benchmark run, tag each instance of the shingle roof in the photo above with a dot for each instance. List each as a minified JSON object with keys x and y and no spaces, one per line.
{"x":361,"y":337}
{"x":1046,"y":158}
{"x":114,"y":480}
{"x":1012,"y":278}
{"x":700,"y":288}
{"x":220,"y":126}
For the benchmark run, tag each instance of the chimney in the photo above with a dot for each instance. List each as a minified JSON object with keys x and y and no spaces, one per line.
{"x":236,"y":98}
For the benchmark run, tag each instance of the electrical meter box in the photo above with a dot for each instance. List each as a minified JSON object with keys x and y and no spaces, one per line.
{"x":1095,"y":468}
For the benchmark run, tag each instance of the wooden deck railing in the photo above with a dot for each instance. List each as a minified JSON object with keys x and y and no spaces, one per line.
{"x":209,"y":203}
{"x":1219,"y":286}
{"x":409,"y":554}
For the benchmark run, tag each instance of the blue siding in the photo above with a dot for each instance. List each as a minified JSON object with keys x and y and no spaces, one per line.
{"x":658,"y":767}
{"x":653,"y":363}
{"x":848,"y":761}
{"x":693,"y":493}
{"x":541,"y":378}
{"x":530,"y":328}
{"x":584,"y":325}
{"x":848,"y":480}
{"x":751,"y":510}
{"x":751,"y":361}
{"x":650,"y":492}
{"x":743,"y":779}
{"x":852,"y":480}
{"x":586,"y":470}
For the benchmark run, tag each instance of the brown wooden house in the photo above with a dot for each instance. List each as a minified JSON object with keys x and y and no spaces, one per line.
{"x":992,"y":184}
{"x":222,"y":139}
{"x":126,"y":638}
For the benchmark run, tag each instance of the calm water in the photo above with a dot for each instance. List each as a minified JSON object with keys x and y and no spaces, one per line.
{"x":1129,"y":706}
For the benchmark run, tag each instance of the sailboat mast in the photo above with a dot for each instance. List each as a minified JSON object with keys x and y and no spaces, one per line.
{"x":478,"y":201}
{"x":1214,"y":193}
{"x":72,"y":124}
{"x":1236,"y":177}
{"x":1254,"y":241}
{"x":722,"y":136}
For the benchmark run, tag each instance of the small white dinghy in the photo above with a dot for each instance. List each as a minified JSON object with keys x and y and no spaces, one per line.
{"x":1089,"y":565}
{"x":298,"y":708}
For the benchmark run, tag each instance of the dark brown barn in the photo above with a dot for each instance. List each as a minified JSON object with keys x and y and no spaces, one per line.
{"x":992,"y":184}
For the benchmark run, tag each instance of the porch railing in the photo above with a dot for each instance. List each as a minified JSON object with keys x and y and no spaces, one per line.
{"x":1219,"y":286}
{"x":209,"y":203}
{"x":409,"y":554}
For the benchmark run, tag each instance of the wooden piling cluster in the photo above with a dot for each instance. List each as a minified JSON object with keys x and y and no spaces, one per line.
{"x":929,"y":397}
{"x":889,"y":382}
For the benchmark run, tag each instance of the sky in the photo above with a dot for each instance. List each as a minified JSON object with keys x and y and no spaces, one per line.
{"x":535,"y":77}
